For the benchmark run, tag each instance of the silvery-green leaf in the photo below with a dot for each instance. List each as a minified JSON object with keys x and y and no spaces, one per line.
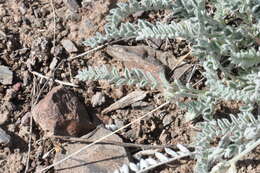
{"x":151,"y":161}
{"x":133,"y":167}
{"x":251,"y":133}
{"x":190,"y":115}
{"x":171,"y":152}
{"x":117,"y":171}
{"x":143,"y":164}
{"x":124,"y":169}
{"x":182,"y":148}
{"x":220,"y":168}
{"x":161,"y":157}
{"x":111,"y":127}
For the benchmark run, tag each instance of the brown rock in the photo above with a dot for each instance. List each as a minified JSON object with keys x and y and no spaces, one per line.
{"x":137,"y":57}
{"x":61,"y":113}
{"x":100,"y":158}
{"x":156,"y":62}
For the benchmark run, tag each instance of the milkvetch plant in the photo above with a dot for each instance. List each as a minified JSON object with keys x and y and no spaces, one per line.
{"x":225,"y":38}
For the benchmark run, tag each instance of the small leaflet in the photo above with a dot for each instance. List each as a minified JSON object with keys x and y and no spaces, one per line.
{"x":171,"y":152}
{"x":143,"y":164}
{"x":133,"y":167}
{"x":183,"y":149}
{"x":161,"y":157}
{"x":151,"y":161}
{"x":124,"y":169}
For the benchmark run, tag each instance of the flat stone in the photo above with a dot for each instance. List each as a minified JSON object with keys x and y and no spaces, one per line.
{"x":100,"y":158}
{"x":61,"y":113}
{"x":157,"y":62}
{"x":6,"y":75}
{"x":140,"y":57}
{"x":69,"y":46}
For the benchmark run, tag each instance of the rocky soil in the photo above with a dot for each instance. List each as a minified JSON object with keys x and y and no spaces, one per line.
{"x":41,"y":101}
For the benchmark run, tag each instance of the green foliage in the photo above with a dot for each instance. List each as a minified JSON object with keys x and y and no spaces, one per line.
{"x":225,"y":38}
{"x":236,"y":135}
{"x":114,"y":29}
{"x":129,"y":77}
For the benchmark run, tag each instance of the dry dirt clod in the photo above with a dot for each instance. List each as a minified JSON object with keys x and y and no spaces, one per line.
{"x":6,"y":75}
{"x":69,"y":46}
{"x":126,"y":101}
{"x":61,"y":113}
{"x":101,"y":158}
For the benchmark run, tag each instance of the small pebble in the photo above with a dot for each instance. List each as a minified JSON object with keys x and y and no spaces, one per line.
{"x":119,"y":123}
{"x":164,"y":137}
{"x":69,"y":46}
{"x":167,"y":120}
{"x":22,"y":8}
{"x":17,"y":86}
{"x":138,"y":14}
{"x":4,"y":115}
{"x":26,"y":119}
{"x":11,"y":128}
{"x":57,"y":50}
{"x":98,"y":99}
{"x":4,"y":137}
{"x":53,"y":63}
{"x":6,"y":75}
{"x":3,"y":11}
{"x":10,"y":94}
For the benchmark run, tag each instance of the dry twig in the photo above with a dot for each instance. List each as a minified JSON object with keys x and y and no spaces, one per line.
{"x":123,"y":144}
{"x":96,"y":48}
{"x":55,"y":80}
